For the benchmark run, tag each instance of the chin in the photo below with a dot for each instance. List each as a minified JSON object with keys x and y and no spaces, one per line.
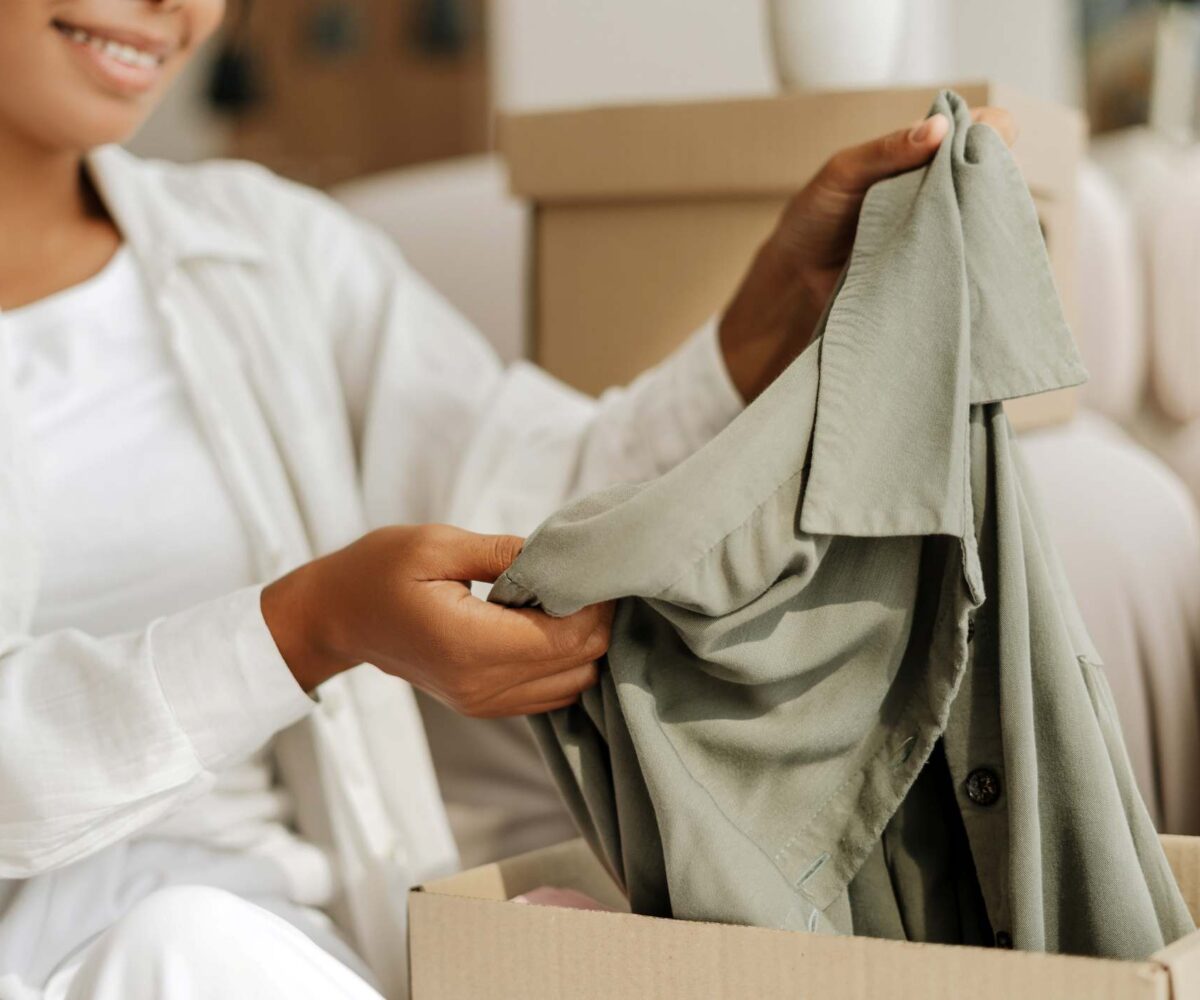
{"x":79,"y":125}
{"x":105,"y":126}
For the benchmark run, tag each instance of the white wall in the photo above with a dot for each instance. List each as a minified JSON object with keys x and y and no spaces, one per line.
{"x":1031,"y":44}
{"x":549,"y":53}
{"x":569,"y":52}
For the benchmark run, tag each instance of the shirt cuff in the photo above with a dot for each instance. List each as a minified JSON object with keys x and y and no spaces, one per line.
{"x":687,"y":399}
{"x":224,"y":678}
{"x":708,"y":400}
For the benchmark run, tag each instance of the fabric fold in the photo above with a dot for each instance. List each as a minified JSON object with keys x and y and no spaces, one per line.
{"x":910,"y":314}
{"x":842,"y":634}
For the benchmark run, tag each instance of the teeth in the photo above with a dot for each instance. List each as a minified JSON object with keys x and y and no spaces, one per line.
{"x":119,"y":51}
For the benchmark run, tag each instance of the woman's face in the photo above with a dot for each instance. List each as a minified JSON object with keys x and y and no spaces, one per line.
{"x":80,"y":73}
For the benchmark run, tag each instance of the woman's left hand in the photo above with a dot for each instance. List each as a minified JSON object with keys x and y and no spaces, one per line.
{"x":775,"y":310}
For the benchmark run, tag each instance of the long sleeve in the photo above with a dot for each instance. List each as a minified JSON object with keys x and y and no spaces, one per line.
{"x":446,"y":433}
{"x":102,"y":736}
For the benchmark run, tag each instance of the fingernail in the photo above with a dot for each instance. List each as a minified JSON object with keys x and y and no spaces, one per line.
{"x":937,"y":124}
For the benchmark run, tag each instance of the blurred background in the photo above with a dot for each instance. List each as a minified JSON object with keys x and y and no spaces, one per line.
{"x":392,"y":105}
{"x":325,"y":90}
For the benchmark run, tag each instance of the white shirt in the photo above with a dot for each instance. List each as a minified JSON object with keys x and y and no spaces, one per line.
{"x":134,"y":521}
{"x":337,"y":393}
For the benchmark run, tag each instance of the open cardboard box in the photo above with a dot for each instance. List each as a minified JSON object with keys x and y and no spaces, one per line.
{"x":466,"y":942}
{"x":646,"y":216}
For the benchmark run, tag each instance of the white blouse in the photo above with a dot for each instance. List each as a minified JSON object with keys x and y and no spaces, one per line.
{"x":134,"y":521}
{"x":337,"y":392}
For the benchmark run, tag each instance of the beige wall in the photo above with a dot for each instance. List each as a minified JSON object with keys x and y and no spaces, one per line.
{"x":568,"y":52}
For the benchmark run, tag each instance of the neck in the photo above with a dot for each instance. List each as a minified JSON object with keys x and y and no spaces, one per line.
{"x":43,"y":198}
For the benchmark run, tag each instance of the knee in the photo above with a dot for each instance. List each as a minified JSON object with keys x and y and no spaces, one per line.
{"x":194,"y":942}
{"x":188,"y":923}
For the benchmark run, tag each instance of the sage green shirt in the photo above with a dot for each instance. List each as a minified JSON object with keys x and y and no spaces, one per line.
{"x":848,"y":687}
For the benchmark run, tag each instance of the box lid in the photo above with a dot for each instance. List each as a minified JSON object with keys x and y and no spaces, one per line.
{"x":752,"y":146}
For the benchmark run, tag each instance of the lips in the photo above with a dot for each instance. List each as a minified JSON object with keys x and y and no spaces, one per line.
{"x":123,"y":63}
{"x":132,"y":49}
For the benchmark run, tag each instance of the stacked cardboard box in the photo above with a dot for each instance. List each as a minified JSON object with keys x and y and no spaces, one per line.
{"x":646,"y":216}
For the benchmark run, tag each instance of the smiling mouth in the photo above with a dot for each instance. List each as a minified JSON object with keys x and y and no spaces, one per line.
{"x":129,"y":50}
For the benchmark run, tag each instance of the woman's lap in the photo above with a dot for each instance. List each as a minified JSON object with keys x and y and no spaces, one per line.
{"x":73,"y":931}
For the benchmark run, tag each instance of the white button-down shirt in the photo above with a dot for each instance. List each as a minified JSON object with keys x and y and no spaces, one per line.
{"x":337,"y":393}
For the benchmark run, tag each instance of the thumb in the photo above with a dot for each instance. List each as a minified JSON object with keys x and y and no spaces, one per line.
{"x":855,"y":169}
{"x":469,"y":556}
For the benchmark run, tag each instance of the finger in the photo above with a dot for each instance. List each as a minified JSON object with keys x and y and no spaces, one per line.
{"x":455,"y":554}
{"x":552,"y":706}
{"x":999,"y":119}
{"x":855,"y":169}
{"x":498,"y":635}
{"x":502,"y":677}
{"x":532,"y":697}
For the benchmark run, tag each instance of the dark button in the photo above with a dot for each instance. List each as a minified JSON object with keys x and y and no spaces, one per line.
{"x":983,"y":787}
{"x":1003,"y":939}
{"x":971,"y":628}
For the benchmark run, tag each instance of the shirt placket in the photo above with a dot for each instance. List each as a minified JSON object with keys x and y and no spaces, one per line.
{"x":973,"y":741}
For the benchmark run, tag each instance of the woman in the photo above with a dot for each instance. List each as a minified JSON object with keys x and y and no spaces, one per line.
{"x":210,"y":378}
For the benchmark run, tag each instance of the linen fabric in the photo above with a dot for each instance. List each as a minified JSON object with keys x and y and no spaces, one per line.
{"x":54,"y":918}
{"x":337,"y":392}
{"x":135,"y":522}
{"x":848,"y":592}
{"x":194,"y":942}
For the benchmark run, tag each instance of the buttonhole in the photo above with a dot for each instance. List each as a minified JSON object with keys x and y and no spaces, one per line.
{"x":905,"y":751}
{"x":815,"y":867}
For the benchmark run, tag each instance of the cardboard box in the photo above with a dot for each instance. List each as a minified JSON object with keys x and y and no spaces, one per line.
{"x":466,"y":942}
{"x":646,"y":217}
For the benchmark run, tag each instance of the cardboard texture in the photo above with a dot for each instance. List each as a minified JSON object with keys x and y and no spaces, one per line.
{"x":466,"y":941}
{"x":646,"y":217}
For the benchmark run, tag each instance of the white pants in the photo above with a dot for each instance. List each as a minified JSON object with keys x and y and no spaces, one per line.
{"x":189,"y":942}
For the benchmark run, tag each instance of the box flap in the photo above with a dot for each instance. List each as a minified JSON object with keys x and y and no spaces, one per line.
{"x":750,"y":146}
{"x":1182,"y":962}
{"x":469,"y":948}
{"x":1183,"y":855}
{"x":570,"y":865}
{"x":467,"y":942}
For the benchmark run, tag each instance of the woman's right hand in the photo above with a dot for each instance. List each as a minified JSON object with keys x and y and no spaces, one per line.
{"x":400,"y":598}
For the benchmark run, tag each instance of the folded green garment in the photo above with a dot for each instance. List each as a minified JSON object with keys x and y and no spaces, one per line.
{"x":848,"y":688}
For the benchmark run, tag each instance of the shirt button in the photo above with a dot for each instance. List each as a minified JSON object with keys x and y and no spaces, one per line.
{"x":1003,"y":939}
{"x":983,"y":787}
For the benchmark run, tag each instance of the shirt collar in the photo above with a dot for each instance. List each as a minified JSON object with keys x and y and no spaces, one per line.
{"x":947,"y":302}
{"x":161,"y":217}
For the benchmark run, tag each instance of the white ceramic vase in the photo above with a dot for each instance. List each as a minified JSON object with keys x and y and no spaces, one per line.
{"x":836,"y":43}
